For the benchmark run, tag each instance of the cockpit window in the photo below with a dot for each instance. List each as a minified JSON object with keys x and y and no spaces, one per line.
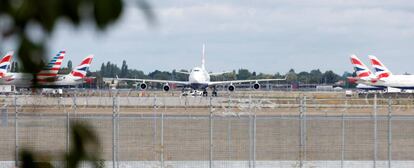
{"x":196,"y":70}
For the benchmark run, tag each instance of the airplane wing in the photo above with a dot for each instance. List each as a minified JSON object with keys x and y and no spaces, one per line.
{"x":219,"y":73}
{"x":148,"y":80}
{"x":243,"y":81}
{"x":182,"y":72}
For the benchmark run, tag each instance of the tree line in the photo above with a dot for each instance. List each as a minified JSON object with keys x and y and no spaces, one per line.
{"x":316,"y":76}
{"x":111,"y":70}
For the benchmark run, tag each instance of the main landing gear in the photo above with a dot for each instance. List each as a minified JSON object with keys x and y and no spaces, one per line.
{"x":205,"y":93}
{"x":214,"y":93}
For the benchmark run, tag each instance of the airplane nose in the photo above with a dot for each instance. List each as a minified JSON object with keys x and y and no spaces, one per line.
{"x":198,"y":79}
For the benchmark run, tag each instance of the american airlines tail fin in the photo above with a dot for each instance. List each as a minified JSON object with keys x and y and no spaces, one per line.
{"x":5,"y":64}
{"x":203,"y":61}
{"x":79,"y":72}
{"x":380,"y":70}
{"x":52,"y":68}
{"x":361,"y":70}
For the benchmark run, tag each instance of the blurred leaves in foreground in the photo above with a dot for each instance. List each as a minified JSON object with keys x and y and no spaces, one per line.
{"x":84,"y":146}
{"x":31,"y":22}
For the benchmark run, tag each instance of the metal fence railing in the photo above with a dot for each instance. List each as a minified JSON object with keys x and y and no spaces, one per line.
{"x":216,"y":133}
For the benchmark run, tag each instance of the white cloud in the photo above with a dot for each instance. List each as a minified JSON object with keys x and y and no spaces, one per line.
{"x":268,"y":36}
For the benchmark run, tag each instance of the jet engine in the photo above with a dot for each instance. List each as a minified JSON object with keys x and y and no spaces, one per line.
{"x":231,"y":88}
{"x":143,"y":86}
{"x":256,"y":86}
{"x":166,"y":87}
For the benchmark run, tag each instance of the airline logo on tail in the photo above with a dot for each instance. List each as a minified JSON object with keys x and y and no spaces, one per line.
{"x":360,"y":68}
{"x":5,"y":64}
{"x":52,"y":68}
{"x":380,"y":70}
{"x":81,"y":70}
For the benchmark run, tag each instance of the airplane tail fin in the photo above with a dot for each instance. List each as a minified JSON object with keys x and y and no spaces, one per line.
{"x":80,"y":71}
{"x":380,"y":70}
{"x":5,"y":64}
{"x":361,"y":70}
{"x":52,"y":68}
{"x":203,"y":61}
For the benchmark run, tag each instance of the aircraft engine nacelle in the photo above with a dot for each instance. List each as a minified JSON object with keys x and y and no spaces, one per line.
{"x":143,"y":86}
{"x":231,"y":88}
{"x":166,"y":87}
{"x":256,"y":86}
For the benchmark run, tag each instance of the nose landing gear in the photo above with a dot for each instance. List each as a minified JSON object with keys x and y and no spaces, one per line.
{"x":214,"y":93}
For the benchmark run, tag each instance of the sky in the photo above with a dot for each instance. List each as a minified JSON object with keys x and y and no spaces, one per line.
{"x":266,"y":36}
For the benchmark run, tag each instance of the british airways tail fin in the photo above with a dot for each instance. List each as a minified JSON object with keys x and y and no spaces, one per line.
{"x":81,"y":70}
{"x":361,"y":70}
{"x":5,"y":63}
{"x":380,"y":70}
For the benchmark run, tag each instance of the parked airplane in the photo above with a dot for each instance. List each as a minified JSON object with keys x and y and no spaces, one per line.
{"x":386,"y":78}
{"x":364,"y":77}
{"x":199,"y":79}
{"x":76,"y":77}
{"x":48,"y":73}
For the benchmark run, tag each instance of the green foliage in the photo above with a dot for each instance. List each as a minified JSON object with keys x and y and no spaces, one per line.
{"x":45,"y":14}
{"x":330,"y":77}
{"x":313,"y":77}
{"x":70,"y":65}
{"x":163,"y":75}
{"x":84,"y":146}
{"x":291,"y":76}
{"x":124,"y":69}
{"x":243,"y":74}
{"x":179,"y":76}
{"x":110,"y":70}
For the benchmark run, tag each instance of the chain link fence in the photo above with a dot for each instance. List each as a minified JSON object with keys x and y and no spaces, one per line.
{"x":215,"y":132}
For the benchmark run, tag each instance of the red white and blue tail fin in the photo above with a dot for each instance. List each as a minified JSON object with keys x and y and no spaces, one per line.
{"x":53,"y":67}
{"x":80,"y":71}
{"x":5,"y":63}
{"x":380,"y":70}
{"x":361,"y":70}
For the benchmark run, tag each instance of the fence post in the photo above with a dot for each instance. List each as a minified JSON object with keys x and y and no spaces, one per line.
{"x":5,"y":116}
{"x":75,"y":106}
{"x":343,"y":133}
{"x":162,"y":140}
{"x":154,"y":110}
{"x":304,"y":128}
{"x":229,"y":139}
{"x":254,"y":141}
{"x":211,"y":134}
{"x":185,"y":103}
{"x":250,"y":133}
{"x":113,"y":131}
{"x":389,"y":132}
{"x":67,"y":126}
{"x":250,"y":140}
{"x":117,"y":128}
{"x":300,"y":132}
{"x":16,"y":132}
{"x":375,"y":130}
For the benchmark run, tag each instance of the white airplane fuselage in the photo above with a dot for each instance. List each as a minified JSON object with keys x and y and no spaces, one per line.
{"x":18,"y":79}
{"x":26,"y":80}
{"x":65,"y":81}
{"x":398,"y":81}
{"x":198,"y":78}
